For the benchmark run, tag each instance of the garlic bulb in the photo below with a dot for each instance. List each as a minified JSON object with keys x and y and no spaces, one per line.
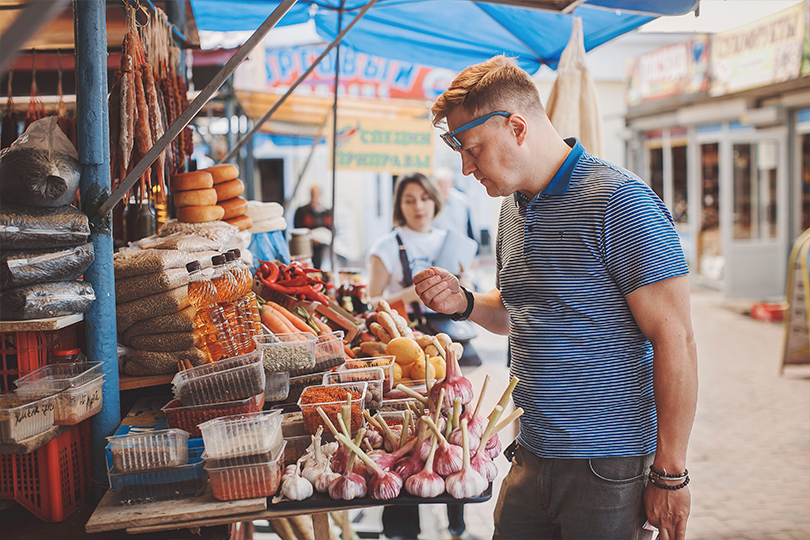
{"x":294,"y":487}
{"x":426,"y":483}
{"x":449,"y":457}
{"x":325,"y":479}
{"x":454,"y":384}
{"x":467,"y":482}
{"x":348,"y":486}
{"x":383,"y":485}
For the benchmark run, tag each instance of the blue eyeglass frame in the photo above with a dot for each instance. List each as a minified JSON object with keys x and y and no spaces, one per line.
{"x":450,"y":137}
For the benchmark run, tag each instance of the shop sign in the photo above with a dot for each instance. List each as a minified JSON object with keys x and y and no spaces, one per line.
{"x":761,"y":53}
{"x":361,"y":75}
{"x":384,"y":146}
{"x":677,"y":69}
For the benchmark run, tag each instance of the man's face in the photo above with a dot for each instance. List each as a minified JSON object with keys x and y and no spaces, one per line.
{"x":485,"y":152}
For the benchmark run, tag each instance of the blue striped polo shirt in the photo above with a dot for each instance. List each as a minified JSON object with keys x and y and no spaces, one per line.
{"x":565,"y":261}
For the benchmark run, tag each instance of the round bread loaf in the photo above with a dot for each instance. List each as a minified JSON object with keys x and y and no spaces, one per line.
{"x":191,"y":180}
{"x":195,"y":197}
{"x":243,"y":222}
{"x":233,"y":207}
{"x":223,"y":172}
{"x":229,"y":190}
{"x":200,"y":214}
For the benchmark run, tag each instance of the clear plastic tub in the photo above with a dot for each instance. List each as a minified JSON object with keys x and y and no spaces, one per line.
{"x":150,"y":450}
{"x":297,"y":384}
{"x":329,"y":353}
{"x":331,"y":400}
{"x":374,"y":376}
{"x":417,"y":385}
{"x":73,"y":404}
{"x":247,"y":481}
{"x":242,"y":434}
{"x":189,"y":417}
{"x":386,"y":363}
{"x":287,"y":352}
{"x":277,"y":385}
{"x":230,"y":379}
{"x":59,"y":376}
{"x":172,"y":483}
{"x":23,"y":417}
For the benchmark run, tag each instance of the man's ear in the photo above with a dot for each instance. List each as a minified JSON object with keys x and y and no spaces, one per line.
{"x":519,"y":128}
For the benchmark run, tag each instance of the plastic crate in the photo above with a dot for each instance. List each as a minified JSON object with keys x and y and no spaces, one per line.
{"x":23,"y":352}
{"x":52,"y":481}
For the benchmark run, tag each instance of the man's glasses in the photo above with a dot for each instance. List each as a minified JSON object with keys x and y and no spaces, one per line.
{"x":450,"y":136}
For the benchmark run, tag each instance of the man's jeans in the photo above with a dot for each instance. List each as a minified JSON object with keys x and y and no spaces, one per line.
{"x":573,"y":499}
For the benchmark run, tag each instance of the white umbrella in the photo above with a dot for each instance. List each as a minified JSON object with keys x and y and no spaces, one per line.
{"x":572,"y":106}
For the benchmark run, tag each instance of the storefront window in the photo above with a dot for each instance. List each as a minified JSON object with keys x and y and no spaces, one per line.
{"x":680,"y":208}
{"x":805,"y":217}
{"x":710,"y":259}
{"x":755,"y":204}
{"x":657,"y":171}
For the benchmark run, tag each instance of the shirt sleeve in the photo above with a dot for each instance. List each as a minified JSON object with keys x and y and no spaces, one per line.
{"x":639,"y":241}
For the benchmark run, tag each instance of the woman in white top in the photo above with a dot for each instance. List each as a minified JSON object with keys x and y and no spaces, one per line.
{"x":393,"y":260}
{"x":416,"y":203}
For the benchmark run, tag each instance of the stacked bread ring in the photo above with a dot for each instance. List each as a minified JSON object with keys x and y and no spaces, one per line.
{"x":195,"y":197}
{"x":228,"y":188}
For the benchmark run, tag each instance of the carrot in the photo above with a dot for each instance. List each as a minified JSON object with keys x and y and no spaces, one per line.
{"x":322,"y":326}
{"x":296,"y":321}
{"x":349,"y":353}
{"x":273,"y":322}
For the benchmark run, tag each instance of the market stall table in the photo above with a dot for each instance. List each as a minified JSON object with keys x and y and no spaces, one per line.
{"x":206,"y":511}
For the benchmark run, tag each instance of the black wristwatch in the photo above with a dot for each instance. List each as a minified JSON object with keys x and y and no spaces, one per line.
{"x":470,"y":303}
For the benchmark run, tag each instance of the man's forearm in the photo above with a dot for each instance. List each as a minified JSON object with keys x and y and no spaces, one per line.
{"x":490,"y":312}
{"x":675,"y":386}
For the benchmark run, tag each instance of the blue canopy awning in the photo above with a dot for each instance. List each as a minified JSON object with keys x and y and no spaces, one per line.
{"x":452,"y":34}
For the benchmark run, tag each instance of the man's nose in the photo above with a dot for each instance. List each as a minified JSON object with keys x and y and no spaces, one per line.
{"x":468,"y":165}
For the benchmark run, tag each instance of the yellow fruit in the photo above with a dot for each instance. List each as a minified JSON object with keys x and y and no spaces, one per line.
{"x":406,"y":370}
{"x":418,"y":369}
{"x":397,"y":373}
{"x":438,"y":367}
{"x":406,"y":350}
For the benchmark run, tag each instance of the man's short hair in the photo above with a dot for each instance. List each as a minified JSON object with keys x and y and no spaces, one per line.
{"x":495,"y":85}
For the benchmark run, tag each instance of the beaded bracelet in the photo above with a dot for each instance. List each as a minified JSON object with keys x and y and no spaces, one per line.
{"x":670,"y":488}
{"x":664,"y":476}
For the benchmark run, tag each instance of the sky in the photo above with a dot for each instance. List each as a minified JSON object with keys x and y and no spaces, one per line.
{"x":719,"y":16}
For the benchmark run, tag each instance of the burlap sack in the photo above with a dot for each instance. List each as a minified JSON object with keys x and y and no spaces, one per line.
{"x":181,"y":321}
{"x":137,"y":363}
{"x":166,"y":342}
{"x":132,"y":288}
{"x":150,"y":306}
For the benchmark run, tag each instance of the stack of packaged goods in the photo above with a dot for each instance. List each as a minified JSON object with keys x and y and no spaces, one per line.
{"x":227,"y":387}
{"x":44,"y":241}
{"x":77,"y":387}
{"x":155,"y":466}
{"x":244,"y":455}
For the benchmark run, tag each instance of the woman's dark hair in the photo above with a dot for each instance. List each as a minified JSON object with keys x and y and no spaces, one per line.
{"x":426,"y":183}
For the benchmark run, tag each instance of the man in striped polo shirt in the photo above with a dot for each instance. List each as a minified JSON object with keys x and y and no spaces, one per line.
{"x":592,"y":291}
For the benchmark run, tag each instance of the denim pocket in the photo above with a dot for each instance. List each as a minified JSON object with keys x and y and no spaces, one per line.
{"x":619,"y":470}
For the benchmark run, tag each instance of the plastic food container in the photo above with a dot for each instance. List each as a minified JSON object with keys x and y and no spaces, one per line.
{"x":60,"y":376}
{"x":189,"y":417}
{"x":22,"y":417}
{"x":398,"y":404}
{"x":374,"y":376}
{"x":331,"y":400}
{"x":242,"y":434}
{"x":417,"y":385}
{"x":329,"y":353}
{"x":386,"y":363}
{"x":297,"y":384}
{"x":287,"y":352}
{"x":277,"y":385}
{"x":179,"y":482}
{"x":247,"y":481}
{"x":230,"y":379}
{"x":149,"y":450}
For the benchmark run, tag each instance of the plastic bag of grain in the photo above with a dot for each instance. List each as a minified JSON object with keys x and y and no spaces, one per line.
{"x":153,"y":305}
{"x":181,"y":321}
{"x":24,"y":267}
{"x":132,"y":288}
{"x":137,"y":262}
{"x":32,"y":227}
{"x":45,"y":300}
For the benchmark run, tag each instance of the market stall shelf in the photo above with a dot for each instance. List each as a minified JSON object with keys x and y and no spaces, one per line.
{"x":30,"y":444}
{"x":111,"y":516}
{"x":205,"y":511}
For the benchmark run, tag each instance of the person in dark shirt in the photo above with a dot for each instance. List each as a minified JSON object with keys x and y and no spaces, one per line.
{"x":313,"y":216}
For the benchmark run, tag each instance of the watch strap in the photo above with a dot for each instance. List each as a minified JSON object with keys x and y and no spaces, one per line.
{"x":470,"y":303}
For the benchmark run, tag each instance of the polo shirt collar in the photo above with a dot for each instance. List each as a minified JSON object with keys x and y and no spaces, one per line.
{"x":558,"y":184}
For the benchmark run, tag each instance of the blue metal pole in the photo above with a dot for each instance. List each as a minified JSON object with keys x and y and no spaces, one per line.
{"x":93,"y":126}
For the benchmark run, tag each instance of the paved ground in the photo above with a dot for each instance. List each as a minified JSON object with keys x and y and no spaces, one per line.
{"x":749,"y":455}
